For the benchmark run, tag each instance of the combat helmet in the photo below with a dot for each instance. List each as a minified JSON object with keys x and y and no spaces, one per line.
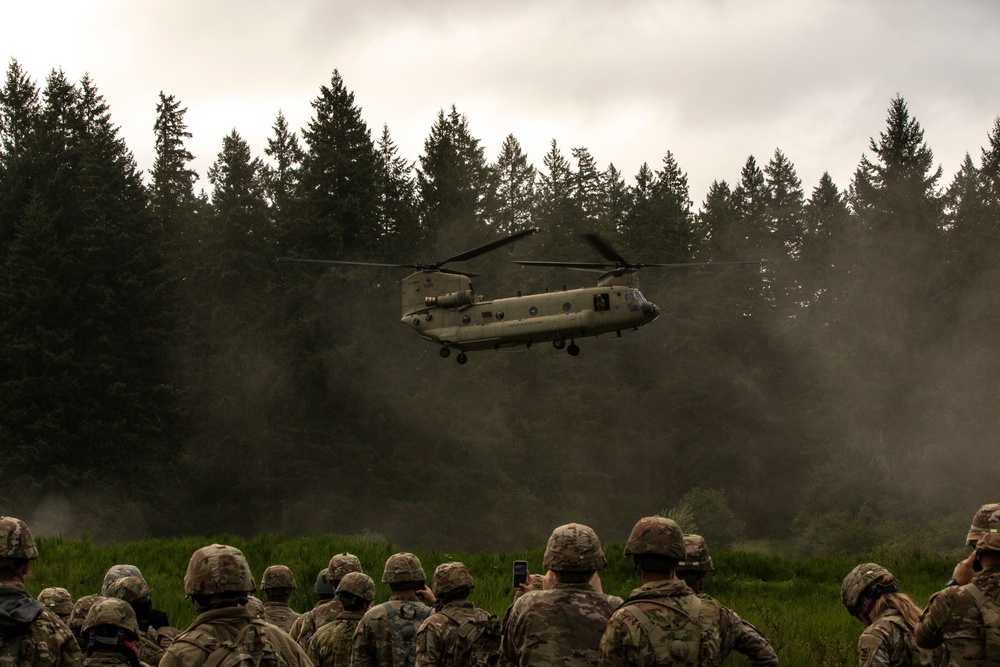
{"x":866,"y":578}
{"x":277,"y":576}
{"x":323,"y":586}
{"x":114,"y":612}
{"x":450,"y":577}
{"x":656,"y":535}
{"x":986,"y":518}
{"x":989,"y":540}
{"x":574,"y":548}
{"x":58,"y":600}
{"x":696,"y":556}
{"x":217,"y":568}
{"x":15,"y":540}
{"x":129,"y":589}
{"x":340,"y":565}
{"x":357,"y":584}
{"x":79,"y":614}
{"x":402,"y":567}
{"x":116,"y":572}
{"x":254,"y":607}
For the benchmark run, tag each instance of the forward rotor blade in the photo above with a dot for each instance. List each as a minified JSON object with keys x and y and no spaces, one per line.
{"x":683,"y":265}
{"x":483,"y":249}
{"x":337,"y":261}
{"x":605,"y":249}
{"x":567,"y":265}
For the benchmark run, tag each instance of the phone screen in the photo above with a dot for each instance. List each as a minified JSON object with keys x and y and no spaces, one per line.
{"x":520,"y":573}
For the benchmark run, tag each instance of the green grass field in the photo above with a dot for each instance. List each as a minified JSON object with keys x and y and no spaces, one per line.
{"x":795,"y":603}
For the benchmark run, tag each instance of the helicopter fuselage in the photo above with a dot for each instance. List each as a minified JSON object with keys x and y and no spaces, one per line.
{"x":461,"y":320}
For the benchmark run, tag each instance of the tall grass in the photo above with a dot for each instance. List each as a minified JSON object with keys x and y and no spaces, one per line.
{"x":793,"y":602}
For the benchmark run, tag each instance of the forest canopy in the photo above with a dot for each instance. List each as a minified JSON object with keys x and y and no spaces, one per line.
{"x":162,"y":374}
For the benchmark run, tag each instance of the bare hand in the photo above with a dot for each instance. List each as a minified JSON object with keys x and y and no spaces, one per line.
{"x":595,"y":583}
{"x":427,"y":596}
{"x":963,"y":571}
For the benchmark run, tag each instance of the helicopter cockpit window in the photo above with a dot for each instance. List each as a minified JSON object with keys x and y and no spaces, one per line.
{"x":601,"y":302}
{"x":634,"y":298}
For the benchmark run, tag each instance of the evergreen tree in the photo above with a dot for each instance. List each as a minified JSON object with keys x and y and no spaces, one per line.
{"x":20,"y":108}
{"x":338,"y":183}
{"x":398,"y":209}
{"x":660,"y":223}
{"x":616,"y":201}
{"x":82,"y":373}
{"x":453,"y":182}
{"x":588,"y":194}
{"x":512,"y":193}
{"x":557,"y":212}
{"x":282,"y":178}
{"x":172,"y":199}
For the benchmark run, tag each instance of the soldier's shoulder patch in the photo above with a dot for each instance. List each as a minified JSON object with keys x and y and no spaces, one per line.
{"x":868,"y":645}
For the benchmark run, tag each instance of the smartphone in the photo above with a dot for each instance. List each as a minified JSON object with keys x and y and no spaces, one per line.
{"x":520,"y":573}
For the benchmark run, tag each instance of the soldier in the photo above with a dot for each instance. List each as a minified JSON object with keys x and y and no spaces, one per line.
{"x":278,"y":584}
{"x":563,"y":624}
{"x":30,"y":634}
{"x":150,"y":642}
{"x":59,"y":601}
{"x":255,"y":607}
{"x":449,"y":637}
{"x":662,"y":622}
{"x":218,"y":581}
{"x":871,"y":594}
{"x":305,"y":626}
{"x":324,"y":591}
{"x":387,"y":634}
{"x":116,"y":572}
{"x":736,"y":634}
{"x":331,"y":645}
{"x":110,"y":629}
{"x":79,"y":615}
{"x":965,"y":618}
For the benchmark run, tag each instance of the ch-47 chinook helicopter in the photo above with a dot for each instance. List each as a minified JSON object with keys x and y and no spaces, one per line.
{"x":441,"y":305}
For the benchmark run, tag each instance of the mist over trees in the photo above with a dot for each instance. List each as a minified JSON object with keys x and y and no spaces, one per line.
{"x":161,"y":373}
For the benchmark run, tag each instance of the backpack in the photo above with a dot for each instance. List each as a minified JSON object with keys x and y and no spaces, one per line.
{"x":251,"y":648}
{"x":404,"y":633}
{"x":479,"y":642}
{"x":17,"y":649}
{"x":679,"y":646}
{"x":990,"y":611}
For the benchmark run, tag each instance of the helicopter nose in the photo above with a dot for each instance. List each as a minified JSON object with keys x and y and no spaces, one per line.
{"x":651,"y":311}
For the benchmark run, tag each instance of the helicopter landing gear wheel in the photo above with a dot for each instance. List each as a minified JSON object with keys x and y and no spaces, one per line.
{"x":461,"y":358}
{"x":573,"y":349}
{"x":445,"y":352}
{"x":559,"y":343}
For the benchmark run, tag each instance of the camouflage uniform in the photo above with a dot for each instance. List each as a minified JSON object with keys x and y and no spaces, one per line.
{"x":277,"y":612}
{"x":953,"y":619}
{"x":307,"y":624}
{"x":562,"y":625}
{"x":438,"y":637}
{"x":132,"y":589}
{"x":79,"y":614}
{"x":220,"y":570}
{"x":386,"y":636}
{"x":331,"y":645}
{"x":373,"y":639}
{"x":735,"y":633}
{"x":887,"y":642}
{"x":662,"y":622}
{"x":118,"y":615}
{"x":24,"y":620}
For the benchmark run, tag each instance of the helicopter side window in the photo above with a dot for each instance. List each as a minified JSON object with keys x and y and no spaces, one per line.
{"x":601,"y":302}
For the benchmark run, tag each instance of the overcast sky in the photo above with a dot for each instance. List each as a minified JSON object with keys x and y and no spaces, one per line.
{"x":712,"y":81}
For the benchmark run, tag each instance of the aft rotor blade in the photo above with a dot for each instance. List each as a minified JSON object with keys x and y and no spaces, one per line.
{"x":489,"y":247}
{"x":682,"y":265}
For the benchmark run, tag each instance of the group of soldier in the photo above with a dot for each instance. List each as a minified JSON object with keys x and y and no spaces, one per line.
{"x":561,"y":618}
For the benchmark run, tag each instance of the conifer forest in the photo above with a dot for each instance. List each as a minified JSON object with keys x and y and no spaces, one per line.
{"x":162,"y":373}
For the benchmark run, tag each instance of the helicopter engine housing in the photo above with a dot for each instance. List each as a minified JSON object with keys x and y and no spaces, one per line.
{"x":452,"y":300}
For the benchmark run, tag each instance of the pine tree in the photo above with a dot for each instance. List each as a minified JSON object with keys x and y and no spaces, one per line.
{"x":20,"y":108}
{"x":398,"y":209}
{"x":512,"y":193}
{"x":661,"y":221}
{"x":453,"y":182}
{"x":172,"y":198}
{"x":338,"y":180}
{"x":282,"y":178}
{"x":557,"y":210}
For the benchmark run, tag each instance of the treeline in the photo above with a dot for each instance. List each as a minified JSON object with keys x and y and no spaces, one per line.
{"x":161,"y":373}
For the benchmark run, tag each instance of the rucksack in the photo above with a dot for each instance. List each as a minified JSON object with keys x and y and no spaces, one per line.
{"x":17,"y":648}
{"x":404,"y":633}
{"x":479,"y":641}
{"x":251,"y":648}
{"x":678,"y":646}
{"x":990,"y":611}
